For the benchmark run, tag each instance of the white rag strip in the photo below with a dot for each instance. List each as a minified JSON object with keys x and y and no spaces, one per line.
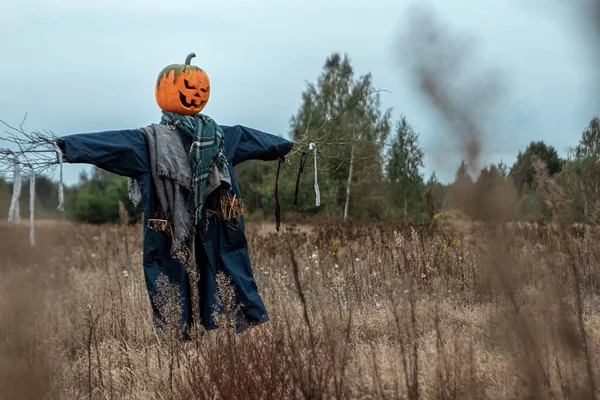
{"x":31,"y":207}
{"x":61,"y":195}
{"x":317,"y":192}
{"x":13,"y":212}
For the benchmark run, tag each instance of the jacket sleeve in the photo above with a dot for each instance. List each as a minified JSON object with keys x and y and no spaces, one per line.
{"x":257,"y":145}
{"x":123,"y":152}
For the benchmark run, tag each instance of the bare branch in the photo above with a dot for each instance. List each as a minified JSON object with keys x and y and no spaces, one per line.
{"x":30,"y":149}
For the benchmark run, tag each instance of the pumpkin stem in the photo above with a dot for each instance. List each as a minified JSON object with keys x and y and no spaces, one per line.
{"x":188,"y":59}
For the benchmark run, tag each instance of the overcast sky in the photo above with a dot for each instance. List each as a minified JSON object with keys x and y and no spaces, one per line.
{"x":81,"y":66}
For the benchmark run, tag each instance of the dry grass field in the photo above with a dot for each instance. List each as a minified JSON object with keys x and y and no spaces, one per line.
{"x":506,"y":311}
{"x":358,"y":311}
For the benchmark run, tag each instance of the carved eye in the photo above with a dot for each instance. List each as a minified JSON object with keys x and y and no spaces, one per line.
{"x":204,"y":90}
{"x":187,"y":84}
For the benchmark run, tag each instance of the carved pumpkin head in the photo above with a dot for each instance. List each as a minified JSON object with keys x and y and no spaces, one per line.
{"x":182,"y":89}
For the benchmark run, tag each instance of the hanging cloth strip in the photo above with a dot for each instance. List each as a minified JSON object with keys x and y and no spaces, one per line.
{"x":313,"y":147}
{"x":300,"y":170}
{"x":13,"y":212}
{"x":61,"y":195}
{"x":31,"y":207}
{"x":276,"y":193}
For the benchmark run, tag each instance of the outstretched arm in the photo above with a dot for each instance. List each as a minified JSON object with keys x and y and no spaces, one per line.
{"x":256,"y":145}
{"x":123,"y":152}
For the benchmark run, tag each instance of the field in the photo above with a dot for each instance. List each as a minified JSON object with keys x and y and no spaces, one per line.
{"x":357,"y":312}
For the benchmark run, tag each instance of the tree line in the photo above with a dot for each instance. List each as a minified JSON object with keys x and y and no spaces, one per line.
{"x":369,"y":168}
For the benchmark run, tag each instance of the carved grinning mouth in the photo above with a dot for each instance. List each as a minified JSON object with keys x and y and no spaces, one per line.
{"x":196,"y":101}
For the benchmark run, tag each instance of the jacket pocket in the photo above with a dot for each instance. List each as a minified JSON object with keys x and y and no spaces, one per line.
{"x":155,"y":243}
{"x":234,"y":237}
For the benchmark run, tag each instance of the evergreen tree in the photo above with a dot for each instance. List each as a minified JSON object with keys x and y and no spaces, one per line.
{"x":404,"y":161}
{"x":462,"y":189}
{"x":523,"y":173}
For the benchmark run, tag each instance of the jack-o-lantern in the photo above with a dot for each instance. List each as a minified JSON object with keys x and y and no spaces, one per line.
{"x":182,"y":89}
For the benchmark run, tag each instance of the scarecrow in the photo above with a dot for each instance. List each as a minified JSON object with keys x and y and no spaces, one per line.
{"x":181,"y":169}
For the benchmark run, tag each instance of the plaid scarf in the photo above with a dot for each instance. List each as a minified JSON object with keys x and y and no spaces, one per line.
{"x":204,"y":142}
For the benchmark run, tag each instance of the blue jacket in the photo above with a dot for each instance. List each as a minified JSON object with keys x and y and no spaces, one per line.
{"x":223,"y":247}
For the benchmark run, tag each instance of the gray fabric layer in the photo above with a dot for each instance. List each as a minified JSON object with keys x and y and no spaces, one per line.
{"x":172,"y":177}
{"x":217,"y":176}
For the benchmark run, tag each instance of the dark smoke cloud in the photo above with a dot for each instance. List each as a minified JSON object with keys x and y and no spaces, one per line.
{"x":464,"y":93}
{"x":444,"y":67}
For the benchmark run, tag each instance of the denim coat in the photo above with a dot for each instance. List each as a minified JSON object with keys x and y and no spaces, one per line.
{"x":220,"y":248}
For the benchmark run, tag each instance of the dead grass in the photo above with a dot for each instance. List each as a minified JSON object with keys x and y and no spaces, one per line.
{"x":385,"y":312}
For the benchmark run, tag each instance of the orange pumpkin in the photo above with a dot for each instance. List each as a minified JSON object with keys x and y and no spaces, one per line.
{"x":182,"y":89}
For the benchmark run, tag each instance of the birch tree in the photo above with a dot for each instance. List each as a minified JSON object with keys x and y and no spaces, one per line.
{"x":342,"y":116}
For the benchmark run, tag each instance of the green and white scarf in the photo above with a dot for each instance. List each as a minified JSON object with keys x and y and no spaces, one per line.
{"x":204,"y":143}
